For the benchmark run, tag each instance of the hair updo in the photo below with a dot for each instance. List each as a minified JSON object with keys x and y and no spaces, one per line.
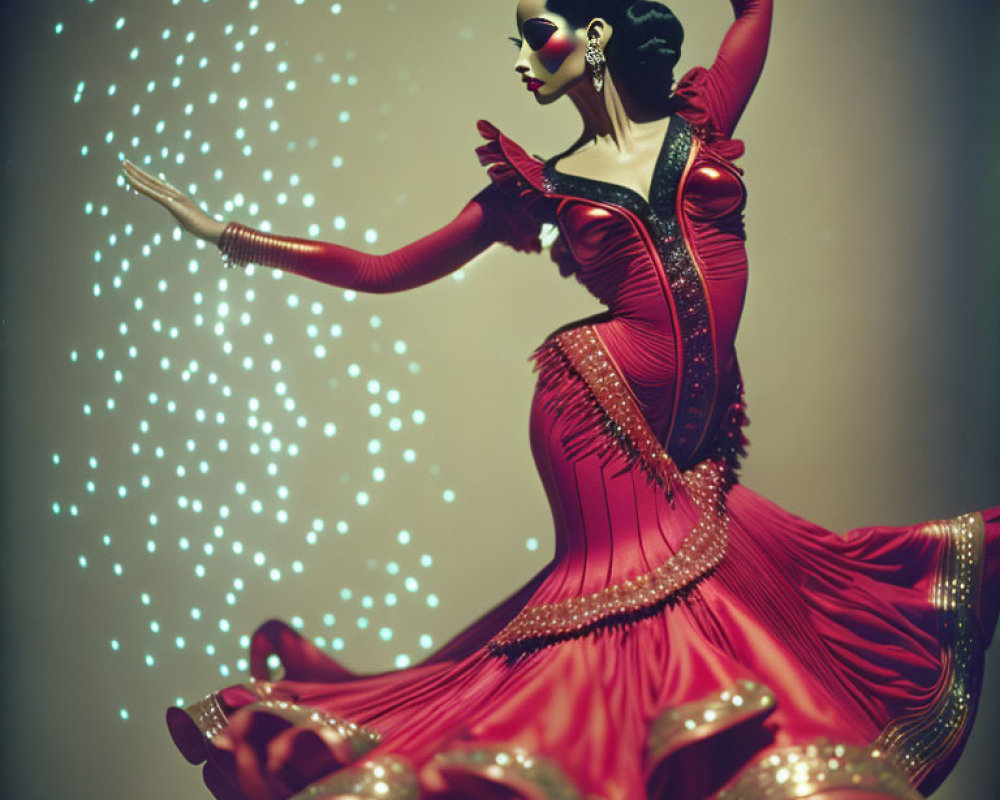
{"x":644,"y":48}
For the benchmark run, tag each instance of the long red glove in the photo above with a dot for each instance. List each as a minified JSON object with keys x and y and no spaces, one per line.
{"x":478,"y":225}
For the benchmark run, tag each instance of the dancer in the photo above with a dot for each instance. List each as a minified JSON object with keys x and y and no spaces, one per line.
{"x":689,"y":639}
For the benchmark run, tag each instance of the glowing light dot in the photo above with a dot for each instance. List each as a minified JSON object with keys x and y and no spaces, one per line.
{"x":532,"y":544}
{"x":402,"y":661}
{"x":448,"y":495}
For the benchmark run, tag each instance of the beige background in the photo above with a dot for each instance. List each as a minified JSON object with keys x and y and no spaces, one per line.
{"x":870,"y":343}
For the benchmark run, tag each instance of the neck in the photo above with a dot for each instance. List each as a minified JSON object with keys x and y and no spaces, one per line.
{"x":608,"y":116}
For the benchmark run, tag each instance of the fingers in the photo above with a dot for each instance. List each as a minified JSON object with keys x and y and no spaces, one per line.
{"x":146,"y":184}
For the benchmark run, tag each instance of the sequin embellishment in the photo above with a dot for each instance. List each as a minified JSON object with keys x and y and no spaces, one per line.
{"x":700,"y":719}
{"x":697,"y":388}
{"x":704,"y":485}
{"x":922,"y":740}
{"x":528,"y":775}
{"x":388,"y":778}
{"x":208,"y":715}
{"x":797,"y":772}
{"x":336,"y":731}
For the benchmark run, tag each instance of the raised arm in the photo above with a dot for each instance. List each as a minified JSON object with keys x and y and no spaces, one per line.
{"x":427,"y":259}
{"x":726,"y":87}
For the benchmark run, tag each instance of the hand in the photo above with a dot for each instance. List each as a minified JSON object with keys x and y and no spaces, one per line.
{"x":184,"y":209}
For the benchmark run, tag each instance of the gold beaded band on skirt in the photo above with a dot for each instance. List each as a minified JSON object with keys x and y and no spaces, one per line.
{"x":920,"y":741}
{"x":681,"y":725}
{"x":528,"y":774}
{"x":387,"y":778}
{"x":353,"y":740}
{"x":704,"y":485}
{"x":700,"y":552}
{"x":805,"y":771}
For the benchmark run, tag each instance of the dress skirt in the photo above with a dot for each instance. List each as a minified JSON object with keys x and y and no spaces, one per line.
{"x":675,"y":647}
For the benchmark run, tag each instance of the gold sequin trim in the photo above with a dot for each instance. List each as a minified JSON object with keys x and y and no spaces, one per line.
{"x":797,"y":772}
{"x":584,"y":349}
{"x":208,"y":715}
{"x":700,"y":552}
{"x":335,"y":730}
{"x":387,"y":778}
{"x":511,"y":767}
{"x":700,"y":719}
{"x":920,"y":741}
{"x":705,"y":485}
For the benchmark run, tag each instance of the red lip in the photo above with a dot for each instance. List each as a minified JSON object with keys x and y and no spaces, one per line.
{"x":534,"y":84}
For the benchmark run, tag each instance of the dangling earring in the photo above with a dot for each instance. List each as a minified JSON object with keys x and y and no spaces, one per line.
{"x":595,"y":58}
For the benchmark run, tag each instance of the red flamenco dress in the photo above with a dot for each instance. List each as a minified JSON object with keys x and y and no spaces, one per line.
{"x":689,"y":639}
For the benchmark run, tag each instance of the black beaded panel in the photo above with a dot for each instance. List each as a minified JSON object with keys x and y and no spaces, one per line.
{"x":696,"y":399}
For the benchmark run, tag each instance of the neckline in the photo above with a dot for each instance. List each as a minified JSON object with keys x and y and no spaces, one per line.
{"x":616,"y":193}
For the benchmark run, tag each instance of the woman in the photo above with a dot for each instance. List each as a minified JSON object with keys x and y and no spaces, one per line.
{"x":689,"y":639}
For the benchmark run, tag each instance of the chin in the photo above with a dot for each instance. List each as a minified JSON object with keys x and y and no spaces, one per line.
{"x":546,"y":99}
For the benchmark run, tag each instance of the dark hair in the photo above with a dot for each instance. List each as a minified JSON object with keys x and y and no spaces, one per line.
{"x":644,"y":48}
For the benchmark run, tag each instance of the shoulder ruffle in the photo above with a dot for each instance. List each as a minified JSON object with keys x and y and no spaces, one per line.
{"x":507,"y":163}
{"x":517,"y":194}
{"x":689,"y":103}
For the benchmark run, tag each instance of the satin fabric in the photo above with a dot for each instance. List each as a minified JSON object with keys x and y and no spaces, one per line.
{"x":839,"y":637}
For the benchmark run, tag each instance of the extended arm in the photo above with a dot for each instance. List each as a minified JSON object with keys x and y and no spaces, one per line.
{"x":427,"y":259}
{"x":732,"y":77}
{"x":484,"y":219}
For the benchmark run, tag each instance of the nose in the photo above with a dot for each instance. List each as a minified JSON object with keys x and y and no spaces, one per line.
{"x":521,"y":65}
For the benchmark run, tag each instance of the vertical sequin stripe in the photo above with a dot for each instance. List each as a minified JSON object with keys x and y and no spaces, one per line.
{"x":818,"y":769}
{"x":694,"y":403}
{"x":923,"y":740}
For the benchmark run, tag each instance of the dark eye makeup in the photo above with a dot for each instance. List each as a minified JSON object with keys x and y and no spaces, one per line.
{"x":537,"y":32}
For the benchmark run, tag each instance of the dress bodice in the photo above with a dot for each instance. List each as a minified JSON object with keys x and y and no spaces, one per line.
{"x":671,"y":271}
